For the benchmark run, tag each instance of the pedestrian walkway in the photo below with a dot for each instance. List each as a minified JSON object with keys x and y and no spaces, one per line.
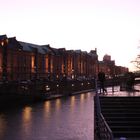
{"x":115,"y":91}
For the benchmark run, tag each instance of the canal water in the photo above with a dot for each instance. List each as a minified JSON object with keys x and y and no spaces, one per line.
{"x":61,"y":119}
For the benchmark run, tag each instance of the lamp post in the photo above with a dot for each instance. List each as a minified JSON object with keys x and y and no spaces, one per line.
{"x":73,"y":74}
{"x":4,"y":60}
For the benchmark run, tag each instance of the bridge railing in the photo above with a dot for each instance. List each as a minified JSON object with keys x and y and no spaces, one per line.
{"x":102,"y":129}
{"x":105,"y":133}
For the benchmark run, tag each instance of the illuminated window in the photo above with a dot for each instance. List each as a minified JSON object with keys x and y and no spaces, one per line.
{"x":46,"y":64}
{"x":33,"y":64}
{"x":81,"y":67}
{"x":0,"y":62}
{"x":51,"y":65}
{"x":63,"y":68}
{"x":69,"y":65}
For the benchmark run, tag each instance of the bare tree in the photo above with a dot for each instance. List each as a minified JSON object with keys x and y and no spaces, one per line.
{"x":136,"y":62}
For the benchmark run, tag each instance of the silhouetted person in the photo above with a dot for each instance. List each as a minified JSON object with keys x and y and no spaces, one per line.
{"x":101,"y":78}
{"x":130,"y":81}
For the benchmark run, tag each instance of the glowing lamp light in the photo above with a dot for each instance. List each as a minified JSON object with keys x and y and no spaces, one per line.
{"x":72,"y":76}
{"x":2,"y":43}
{"x":24,"y":87}
{"x":47,"y":88}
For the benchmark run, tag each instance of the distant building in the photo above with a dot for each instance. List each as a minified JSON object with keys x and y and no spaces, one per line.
{"x":121,"y":70}
{"x":106,"y":58}
{"x":108,"y":66}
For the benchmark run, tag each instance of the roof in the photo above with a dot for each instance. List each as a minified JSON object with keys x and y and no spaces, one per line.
{"x":42,"y":49}
{"x":48,"y":49}
{"x":13,"y":43}
{"x":3,"y":37}
{"x":78,"y":51}
{"x":31,"y":47}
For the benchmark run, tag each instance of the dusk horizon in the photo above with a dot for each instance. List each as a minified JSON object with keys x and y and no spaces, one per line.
{"x":110,"y":26}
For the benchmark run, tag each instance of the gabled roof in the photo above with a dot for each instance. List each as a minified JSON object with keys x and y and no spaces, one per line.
{"x":42,"y":49}
{"x":57,"y":51}
{"x":93,"y":54}
{"x":2,"y":37}
{"x":32,"y":47}
{"x":81,"y":52}
{"x":13,"y":43}
{"x":78,"y":51}
{"x":25,"y":46}
{"x":48,"y":49}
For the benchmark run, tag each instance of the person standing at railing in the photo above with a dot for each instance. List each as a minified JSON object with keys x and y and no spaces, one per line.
{"x":102,"y":79}
{"x":130,"y":81}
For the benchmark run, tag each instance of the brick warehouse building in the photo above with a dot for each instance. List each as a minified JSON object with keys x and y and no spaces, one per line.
{"x":109,"y":67}
{"x":26,"y":61}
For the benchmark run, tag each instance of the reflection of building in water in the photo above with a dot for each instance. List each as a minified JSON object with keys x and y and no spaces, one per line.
{"x":47,"y":106}
{"x":2,"y":126}
{"x":72,"y":100}
{"x":27,"y":119}
{"x":27,"y":114}
{"x":47,"y":110}
{"x":72,"y":103}
{"x":82,"y":97}
{"x":58,"y":104}
{"x":88,"y":94}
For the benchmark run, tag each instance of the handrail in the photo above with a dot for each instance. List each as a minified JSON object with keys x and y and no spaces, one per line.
{"x":105,"y":133}
{"x":103,"y":130}
{"x":97,"y":97}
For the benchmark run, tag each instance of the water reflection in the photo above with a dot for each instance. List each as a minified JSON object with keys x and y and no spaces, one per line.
{"x":72,"y":100}
{"x":72,"y":103}
{"x":47,"y":106}
{"x":58,"y":104}
{"x":47,"y":110}
{"x":2,"y":126}
{"x":82,"y":98}
{"x":27,"y":114}
{"x":61,"y":119}
{"x":88,"y":95}
{"x":27,"y":120}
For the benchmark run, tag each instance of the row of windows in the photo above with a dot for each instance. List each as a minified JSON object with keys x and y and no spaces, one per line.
{"x":26,"y":65}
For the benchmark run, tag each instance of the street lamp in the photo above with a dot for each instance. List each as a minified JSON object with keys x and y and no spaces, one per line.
{"x":4,"y":59}
{"x":72,"y":73}
{"x":2,"y":43}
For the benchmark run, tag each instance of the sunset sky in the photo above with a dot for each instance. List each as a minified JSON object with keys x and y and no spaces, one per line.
{"x":111,"y":26}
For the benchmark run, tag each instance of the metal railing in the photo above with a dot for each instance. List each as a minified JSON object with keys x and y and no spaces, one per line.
{"x":105,"y":133}
{"x":102,"y":129}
